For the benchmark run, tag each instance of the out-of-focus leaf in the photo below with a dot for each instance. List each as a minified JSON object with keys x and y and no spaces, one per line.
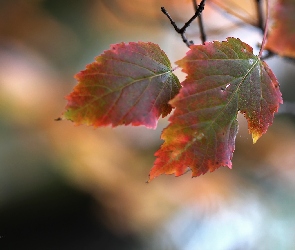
{"x":281,"y":38}
{"x":128,"y":84}
{"x":222,"y":79}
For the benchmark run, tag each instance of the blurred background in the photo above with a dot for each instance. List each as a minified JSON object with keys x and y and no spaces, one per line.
{"x":75,"y":187}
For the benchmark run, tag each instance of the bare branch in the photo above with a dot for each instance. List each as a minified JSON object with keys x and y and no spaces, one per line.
{"x":200,"y":21}
{"x":181,"y":31}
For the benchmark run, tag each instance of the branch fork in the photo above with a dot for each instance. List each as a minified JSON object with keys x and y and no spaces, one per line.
{"x":198,"y":10}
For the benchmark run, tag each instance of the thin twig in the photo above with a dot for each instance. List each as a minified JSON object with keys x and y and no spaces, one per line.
{"x":184,"y":39}
{"x":197,"y":13}
{"x":181,"y":31}
{"x":171,"y":20}
{"x":265,"y":30}
{"x":200,"y":21}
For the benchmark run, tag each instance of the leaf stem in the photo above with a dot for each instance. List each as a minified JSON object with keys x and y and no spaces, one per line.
{"x":182,"y":30}
{"x":265,"y":30}
{"x":201,"y":24}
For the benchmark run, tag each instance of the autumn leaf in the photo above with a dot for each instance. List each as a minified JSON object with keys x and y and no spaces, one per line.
{"x":128,"y":84}
{"x":281,"y":37}
{"x":222,"y":79}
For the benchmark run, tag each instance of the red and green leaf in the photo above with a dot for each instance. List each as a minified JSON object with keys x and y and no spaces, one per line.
{"x":281,"y":37}
{"x":222,"y":79}
{"x":128,"y":84}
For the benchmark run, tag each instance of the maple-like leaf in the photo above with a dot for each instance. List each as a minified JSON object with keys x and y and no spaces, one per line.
{"x":281,"y":37}
{"x":222,"y":79}
{"x":128,"y":84}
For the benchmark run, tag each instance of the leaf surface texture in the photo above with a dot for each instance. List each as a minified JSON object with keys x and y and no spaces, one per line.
{"x":128,"y":84}
{"x":222,"y":79}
